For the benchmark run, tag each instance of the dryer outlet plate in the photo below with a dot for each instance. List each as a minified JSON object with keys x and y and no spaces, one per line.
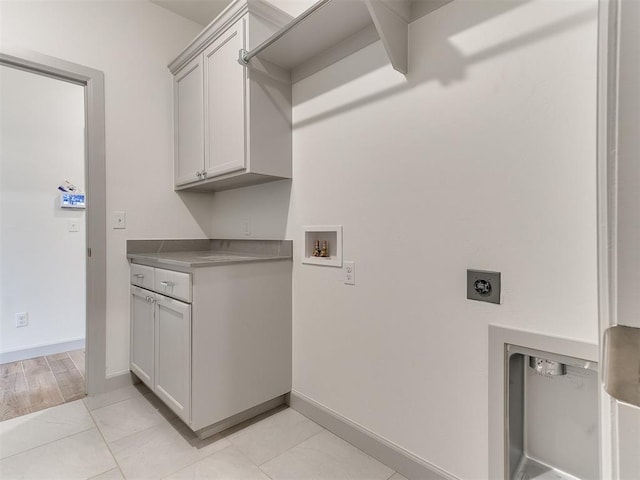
{"x":483,"y":286}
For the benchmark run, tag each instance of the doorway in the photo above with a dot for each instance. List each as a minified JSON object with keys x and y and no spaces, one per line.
{"x":91,"y":83}
{"x":42,"y":241}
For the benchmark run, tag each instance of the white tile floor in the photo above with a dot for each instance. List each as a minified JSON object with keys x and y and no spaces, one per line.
{"x":129,"y":434}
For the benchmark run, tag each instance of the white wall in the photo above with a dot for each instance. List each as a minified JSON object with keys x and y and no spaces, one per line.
{"x":42,"y":264}
{"x":131,"y":42}
{"x":482,"y":157}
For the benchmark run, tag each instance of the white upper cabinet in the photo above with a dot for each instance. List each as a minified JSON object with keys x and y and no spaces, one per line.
{"x":232,"y":124}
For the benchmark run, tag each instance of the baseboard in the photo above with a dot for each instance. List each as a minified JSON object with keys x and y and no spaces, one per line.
{"x":41,"y":350}
{"x":119,"y":380}
{"x":401,"y":460}
{"x":240,"y":417}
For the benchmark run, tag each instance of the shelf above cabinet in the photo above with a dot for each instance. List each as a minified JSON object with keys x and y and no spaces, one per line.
{"x":333,"y":29}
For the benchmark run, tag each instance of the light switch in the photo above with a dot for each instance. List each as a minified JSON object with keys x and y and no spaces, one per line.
{"x":119,"y":220}
{"x":73,"y":225}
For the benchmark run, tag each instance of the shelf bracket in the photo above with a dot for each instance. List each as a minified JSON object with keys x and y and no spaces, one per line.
{"x":393,"y":31}
{"x":242,"y":57}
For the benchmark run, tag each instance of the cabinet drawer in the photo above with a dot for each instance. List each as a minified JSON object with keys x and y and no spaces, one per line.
{"x":142,"y":276}
{"x":173,"y":284}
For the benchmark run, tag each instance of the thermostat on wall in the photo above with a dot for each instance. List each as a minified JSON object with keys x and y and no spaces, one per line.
{"x":72,"y":200}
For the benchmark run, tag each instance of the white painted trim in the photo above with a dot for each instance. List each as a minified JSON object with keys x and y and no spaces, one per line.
{"x":95,"y":181}
{"x":240,"y":417}
{"x":120,"y":380}
{"x":606,"y":162}
{"x":383,"y":450}
{"x":42,"y":350}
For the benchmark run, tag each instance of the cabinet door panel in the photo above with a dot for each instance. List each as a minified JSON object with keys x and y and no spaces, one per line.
{"x":173,"y":355}
{"x":189,"y":123}
{"x":225,"y":87}
{"x":142,"y":335}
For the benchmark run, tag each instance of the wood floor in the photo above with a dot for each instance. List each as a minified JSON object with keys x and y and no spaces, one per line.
{"x":31,"y":385}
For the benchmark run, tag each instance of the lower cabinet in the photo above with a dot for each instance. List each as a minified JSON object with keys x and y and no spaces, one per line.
{"x":213,"y":344}
{"x":161,"y":347}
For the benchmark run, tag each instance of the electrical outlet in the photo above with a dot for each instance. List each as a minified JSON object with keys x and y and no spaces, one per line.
{"x":349,"y":270}
{"x":22,"y":319}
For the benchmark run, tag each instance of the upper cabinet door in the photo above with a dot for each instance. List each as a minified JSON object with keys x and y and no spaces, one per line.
{"x":225,"y":83}
{"x":189,"y":123}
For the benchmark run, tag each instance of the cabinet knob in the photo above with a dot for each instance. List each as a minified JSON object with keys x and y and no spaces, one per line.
{"x":199,"y":174}
{"x":204,"y":174}
{"x":139,"y":275}
{"x":167,"y":284}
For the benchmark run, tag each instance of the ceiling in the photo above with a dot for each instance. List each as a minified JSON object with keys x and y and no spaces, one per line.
{"x":200,"y":11}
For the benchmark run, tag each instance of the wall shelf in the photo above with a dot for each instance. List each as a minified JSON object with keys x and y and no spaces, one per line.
{"x":333,"y":29}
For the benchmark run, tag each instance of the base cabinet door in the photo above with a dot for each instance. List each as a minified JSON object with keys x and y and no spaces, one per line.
{"x":142,"y":334}
{"x":173,"y":355}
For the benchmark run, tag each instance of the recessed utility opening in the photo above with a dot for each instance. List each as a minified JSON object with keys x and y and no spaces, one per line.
{"x":552,"y":416}
{"x":322,"y":245}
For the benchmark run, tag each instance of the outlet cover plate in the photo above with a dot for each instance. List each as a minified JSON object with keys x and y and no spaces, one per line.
{"x":483,"y":286}
{"x":349,"y":273}
{"x":119,"y":220}
{"x":22,"y":319}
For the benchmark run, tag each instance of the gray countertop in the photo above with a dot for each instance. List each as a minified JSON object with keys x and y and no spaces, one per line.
{"x":188,"y":254}
{"x":206,"y":258}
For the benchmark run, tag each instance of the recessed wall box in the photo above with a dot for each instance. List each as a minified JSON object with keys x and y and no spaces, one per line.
{"x":73,"y":200}
{"x":332,"y":235}
{"x":551,"y":415}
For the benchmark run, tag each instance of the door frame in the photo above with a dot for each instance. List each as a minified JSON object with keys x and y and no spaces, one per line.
{"x":95,"y":180}
{"x":607,"y":193}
